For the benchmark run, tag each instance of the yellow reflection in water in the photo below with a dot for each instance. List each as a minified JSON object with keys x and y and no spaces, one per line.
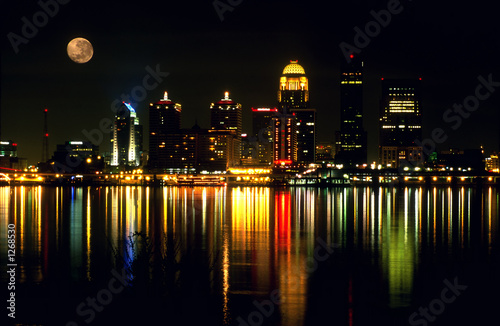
{"x":87,"y":223}
{"x":251,"y":246}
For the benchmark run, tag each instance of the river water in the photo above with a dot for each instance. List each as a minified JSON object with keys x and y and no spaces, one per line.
{"x":252,"y":255}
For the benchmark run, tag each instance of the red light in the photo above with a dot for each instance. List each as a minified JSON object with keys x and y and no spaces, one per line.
{"x":46,"y":135}
{"x":283,"y":162}
{"x":382,"y":78}
{"x":45,"y":110}
{"x":352,"y":56}
{"x":420,"y":78}
{"x":14,"y":144}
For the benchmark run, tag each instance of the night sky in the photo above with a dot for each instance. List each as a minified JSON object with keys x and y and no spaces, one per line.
{"x":447,"y":45}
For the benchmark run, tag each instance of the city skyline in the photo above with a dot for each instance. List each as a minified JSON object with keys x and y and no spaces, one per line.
{"x":79,"y":96}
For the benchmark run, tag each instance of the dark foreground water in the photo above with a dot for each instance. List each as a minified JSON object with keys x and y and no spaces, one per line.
{"x":252,"y":256}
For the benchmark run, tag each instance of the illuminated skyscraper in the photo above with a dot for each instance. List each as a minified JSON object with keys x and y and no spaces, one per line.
{"x":294,"y":88}
{"x":293,"y":98}
{"x":285,"y":140}
{"x":305,"y":122}
{"x":262,"y":125}
{"x":127,"y":138}
{"x":164,"y":119}
{"x":352,"y":141}
{"x":400,"y":123}
{"x":226,"y":114}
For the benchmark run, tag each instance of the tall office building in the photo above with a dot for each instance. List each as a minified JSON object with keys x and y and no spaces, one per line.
{"x":293,"y":98}
{"x":262,"y":127}
{"x":194,"y":150}
{"x":127,"y":138}
{"x":305,"y":122}
{"x":352,"y":136}
{"x":294,"y":88}
{"x":400,"y":123}
{"x":285,"y":140}
{"x":164,"y":119}
{"x":226,"y":114}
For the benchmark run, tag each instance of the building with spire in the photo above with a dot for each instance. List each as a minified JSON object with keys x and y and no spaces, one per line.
{"x":164,"y":119}
{"x":173,"y":149}
{"x":226,"y":115}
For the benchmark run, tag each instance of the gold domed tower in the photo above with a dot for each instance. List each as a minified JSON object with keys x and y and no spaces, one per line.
{"x":294,"y":87}
{"x":298,"y":142}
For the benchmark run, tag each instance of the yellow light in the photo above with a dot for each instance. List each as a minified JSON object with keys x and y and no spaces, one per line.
{"x":490,"y":179}
{"x":434,"y":178}
{"x":449,"y":178}
{"x":420,"y":178}
{"x":148,"y":178}
{"x":89,"y":160}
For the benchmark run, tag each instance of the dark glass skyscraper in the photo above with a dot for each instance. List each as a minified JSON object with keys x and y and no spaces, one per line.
{"x":226,"y":114}
{"x":400,"y":122}
{"x":352,"y":150}
{"x":293,"y":98}
{"x":164,"y":119}
{"x":262,"y":126}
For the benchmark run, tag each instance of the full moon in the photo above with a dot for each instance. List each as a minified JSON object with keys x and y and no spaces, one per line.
{"x":80,"y":50}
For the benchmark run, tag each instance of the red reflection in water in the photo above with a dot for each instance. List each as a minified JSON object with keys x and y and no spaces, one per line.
{"x":282,"y":205}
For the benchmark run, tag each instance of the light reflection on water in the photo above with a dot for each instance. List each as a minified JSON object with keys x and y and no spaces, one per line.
{"x":266,"y":237}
